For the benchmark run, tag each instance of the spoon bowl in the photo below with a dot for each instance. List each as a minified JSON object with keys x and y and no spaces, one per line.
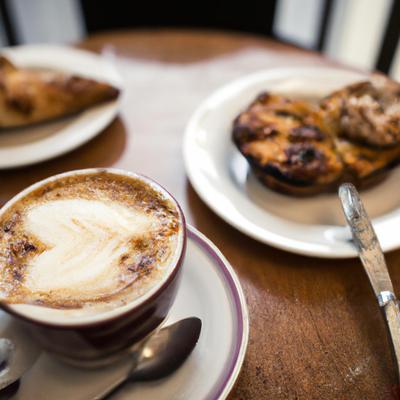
{"x":161,"y":355}
{"x":167,"y":350}
{"x":18,"y":352}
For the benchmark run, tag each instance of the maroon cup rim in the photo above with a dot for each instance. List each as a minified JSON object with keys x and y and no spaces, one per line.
{"x":140,"y":304}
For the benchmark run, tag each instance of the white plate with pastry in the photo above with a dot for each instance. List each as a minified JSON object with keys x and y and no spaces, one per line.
{"x":52,"y":100}
{"x":222,"y":177}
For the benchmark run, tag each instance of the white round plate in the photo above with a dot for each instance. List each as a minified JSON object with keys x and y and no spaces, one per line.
{"x":209,"y":290}
{"x":24,"y":146}
{"x":221,"y":176}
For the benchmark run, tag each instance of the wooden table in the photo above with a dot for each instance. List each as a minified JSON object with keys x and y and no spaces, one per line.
{"x":316,"y":331}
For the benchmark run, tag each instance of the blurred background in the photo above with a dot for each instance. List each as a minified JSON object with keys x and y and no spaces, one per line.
{"x":360,"y":33}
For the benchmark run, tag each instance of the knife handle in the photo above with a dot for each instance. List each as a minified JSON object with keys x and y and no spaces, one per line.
{"x":390,"y":308}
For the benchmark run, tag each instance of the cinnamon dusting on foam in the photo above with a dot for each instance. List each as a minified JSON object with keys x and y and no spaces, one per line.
{"x":86,"y":243}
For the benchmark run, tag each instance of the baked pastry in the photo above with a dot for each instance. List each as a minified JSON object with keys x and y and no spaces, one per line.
{"x":367,"y":112}
{"x":288,"y":145}
{"x":365,"y":165}
{"x":299,"y":148}
{"x":32,"y":96}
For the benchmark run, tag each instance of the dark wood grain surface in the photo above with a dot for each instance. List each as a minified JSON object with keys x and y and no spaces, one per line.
{"x":315,"y":329}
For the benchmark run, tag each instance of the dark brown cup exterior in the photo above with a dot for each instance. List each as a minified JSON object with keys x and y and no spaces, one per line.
{"x":99,"y":343}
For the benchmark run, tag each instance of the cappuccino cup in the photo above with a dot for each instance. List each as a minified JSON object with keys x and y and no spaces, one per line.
{"x":90,"y":261}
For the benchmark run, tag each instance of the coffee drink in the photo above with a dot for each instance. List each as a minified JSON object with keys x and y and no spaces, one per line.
{"x":87,"y":243}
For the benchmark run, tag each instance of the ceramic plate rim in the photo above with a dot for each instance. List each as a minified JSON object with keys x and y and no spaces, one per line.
{"x":234,"y":87}
{"x":89,"y":133}
{"x":230,"y":277}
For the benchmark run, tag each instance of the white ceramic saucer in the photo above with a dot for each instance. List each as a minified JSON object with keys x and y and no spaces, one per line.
{"x":220,"y":175}
{"x":30,"y":145}
{"x":209,"y":290}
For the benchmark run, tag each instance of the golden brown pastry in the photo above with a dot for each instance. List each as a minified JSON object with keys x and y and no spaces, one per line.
{"x":32,"y":96}
{"x":364,"y":164}
{"x":299,"y":148}
{"x":287,"y":145}
{"x":367,"y":112}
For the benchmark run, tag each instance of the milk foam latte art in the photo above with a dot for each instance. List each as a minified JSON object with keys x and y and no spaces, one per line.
{"x":86,"y":243}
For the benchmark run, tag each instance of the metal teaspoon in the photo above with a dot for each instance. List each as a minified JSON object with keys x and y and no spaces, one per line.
{"x":162,"y":354}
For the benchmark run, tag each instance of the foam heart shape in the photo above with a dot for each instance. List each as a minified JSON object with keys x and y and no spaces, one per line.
{"x":85,"y":240}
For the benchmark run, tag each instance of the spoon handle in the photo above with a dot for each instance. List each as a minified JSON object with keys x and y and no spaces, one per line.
{"x":112,"y":389}
{"x":115,"y":386}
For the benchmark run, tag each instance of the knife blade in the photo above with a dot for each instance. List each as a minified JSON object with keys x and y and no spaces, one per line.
{"x":373,"y":260}
{"x":365,"y":240}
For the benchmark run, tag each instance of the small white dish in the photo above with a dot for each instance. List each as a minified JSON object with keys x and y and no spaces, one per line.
{"x":209,"y":290}
{"x":220,"y":175}
{"x":25,"y":146}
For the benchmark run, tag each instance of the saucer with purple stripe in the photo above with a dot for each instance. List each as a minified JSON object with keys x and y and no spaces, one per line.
{"x":210,"y":290}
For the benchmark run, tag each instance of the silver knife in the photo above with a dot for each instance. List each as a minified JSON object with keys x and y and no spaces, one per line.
{"x":373,"y":260}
